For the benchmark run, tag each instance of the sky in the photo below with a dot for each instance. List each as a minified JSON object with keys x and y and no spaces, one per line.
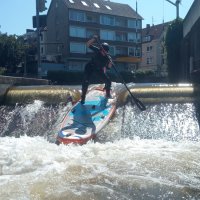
{"x":16,"y":15}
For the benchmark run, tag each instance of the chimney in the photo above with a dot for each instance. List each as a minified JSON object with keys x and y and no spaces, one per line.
{"x":148,"y":26}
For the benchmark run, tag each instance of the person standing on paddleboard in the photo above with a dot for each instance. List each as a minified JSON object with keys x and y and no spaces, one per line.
{"x":98,"y":64}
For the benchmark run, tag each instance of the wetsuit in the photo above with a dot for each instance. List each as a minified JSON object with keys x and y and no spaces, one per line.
{"x":97,"y":64}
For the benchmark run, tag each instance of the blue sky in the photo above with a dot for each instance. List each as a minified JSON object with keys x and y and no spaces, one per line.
{"x":16,"y":15}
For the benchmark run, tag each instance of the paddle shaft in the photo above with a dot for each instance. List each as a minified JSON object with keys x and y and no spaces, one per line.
{"x":139,"y":104}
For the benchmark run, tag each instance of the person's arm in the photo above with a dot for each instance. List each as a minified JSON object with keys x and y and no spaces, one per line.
{"x":92,"y":40}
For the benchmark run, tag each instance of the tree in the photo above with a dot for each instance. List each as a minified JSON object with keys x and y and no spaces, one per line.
{"x":174,"y":38}
{"x":11,"y":52}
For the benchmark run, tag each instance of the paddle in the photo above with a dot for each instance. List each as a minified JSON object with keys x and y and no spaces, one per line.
{"x":139,"y":104}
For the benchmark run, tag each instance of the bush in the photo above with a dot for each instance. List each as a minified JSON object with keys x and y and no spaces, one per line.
{"x":173,"y":45}
{"x":147,"y":76}
{"x":74,"y":78}
{"x":2,"y":70}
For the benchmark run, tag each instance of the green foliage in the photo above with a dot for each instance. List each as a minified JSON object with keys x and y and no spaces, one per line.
{"x":2,"y":70}
{"x":147,"y":76}
{"x":11,"y":52}
{"x":10,"y":56}
{"x":174,"y":38}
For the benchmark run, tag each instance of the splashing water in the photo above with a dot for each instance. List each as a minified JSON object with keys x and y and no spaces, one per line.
{"x":139,"y":155}
{"x":124,"y":169}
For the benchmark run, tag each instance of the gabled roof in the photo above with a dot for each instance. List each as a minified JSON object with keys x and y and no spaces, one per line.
{"x":155,"y":31}
{"x":103,"y":6}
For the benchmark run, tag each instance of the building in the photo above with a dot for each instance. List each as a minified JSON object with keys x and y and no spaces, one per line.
{"x":154,"y":55}
{"x":191,"y":44}
{"x":70,"y":23}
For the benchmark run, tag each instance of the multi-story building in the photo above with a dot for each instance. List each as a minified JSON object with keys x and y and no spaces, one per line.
{"x":154,"y":55}
{"x":190,"y":54}
{"x":70,"y":23}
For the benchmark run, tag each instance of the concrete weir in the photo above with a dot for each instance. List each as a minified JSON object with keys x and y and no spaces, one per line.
{"x":147,"y":93}
{"x":162,"y":93}
{"x":47,"y":93}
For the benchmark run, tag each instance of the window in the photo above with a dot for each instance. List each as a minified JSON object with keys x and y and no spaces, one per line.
{"x":138,"y":23}
{"x":90,"y":17}
{"x":96,"y":5}
{"x":112,"y":50}
{"x":107,"y":20}
{"x":76,"y":15}
{"x":138,"y":37}
{"x":131,"y":37}
{"x":76,"y":47}
{"x":84,"y":3}
{"x":121,"y":51}
{"x":149,"y":48}
{"x":77,"y":32}
{"x":131,"y":51}
{"x":147,"y":38}
{"x":149,"y":60}
{"x":138,"y":52}
{"x":121,"y":36}
{"x":131,"y":23}
{"x":120,"y":22}
{"x":107,"y":35}
{"x":91,"y":32}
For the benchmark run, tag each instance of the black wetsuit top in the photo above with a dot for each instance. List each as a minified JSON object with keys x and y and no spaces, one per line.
{"x":98,"y":59}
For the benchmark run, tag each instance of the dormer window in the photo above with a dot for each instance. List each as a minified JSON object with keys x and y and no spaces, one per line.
{"x":84,"y":3}
{"x":96,"y":5}
{"x":108,"y":7}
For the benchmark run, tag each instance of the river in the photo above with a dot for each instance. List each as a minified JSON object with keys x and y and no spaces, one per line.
{"x":139,"y":155}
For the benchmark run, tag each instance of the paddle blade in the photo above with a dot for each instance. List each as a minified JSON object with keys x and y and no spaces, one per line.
{"x":138,"y":103}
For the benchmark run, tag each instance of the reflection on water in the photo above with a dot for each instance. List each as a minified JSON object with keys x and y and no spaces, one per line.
{"x":140,"y":155}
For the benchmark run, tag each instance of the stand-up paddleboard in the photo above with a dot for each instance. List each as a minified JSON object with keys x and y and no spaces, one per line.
{"x":83,"y":122}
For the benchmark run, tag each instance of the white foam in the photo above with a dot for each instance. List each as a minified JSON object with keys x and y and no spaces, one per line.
{"x":32,"y":166}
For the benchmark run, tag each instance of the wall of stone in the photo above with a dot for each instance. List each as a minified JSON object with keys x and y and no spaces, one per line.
{"x":22,"y":81}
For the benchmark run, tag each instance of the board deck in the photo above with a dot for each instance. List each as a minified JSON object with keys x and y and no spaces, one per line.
{"x":83,"y":122}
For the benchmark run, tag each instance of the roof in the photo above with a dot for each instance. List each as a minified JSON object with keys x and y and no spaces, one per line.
{"x":103,"y":6}
{"x":155,"y":30}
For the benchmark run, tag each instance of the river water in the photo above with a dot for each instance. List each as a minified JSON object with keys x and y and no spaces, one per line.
{"x":139,"y":155}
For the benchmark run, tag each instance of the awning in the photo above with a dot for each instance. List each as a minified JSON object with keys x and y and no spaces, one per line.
{"x":129,"y":59}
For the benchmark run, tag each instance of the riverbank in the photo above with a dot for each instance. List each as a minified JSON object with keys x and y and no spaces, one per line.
{"x":7,"y":81}
{"x":22,"y":81}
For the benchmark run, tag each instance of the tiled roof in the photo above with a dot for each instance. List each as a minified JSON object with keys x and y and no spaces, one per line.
{"x":154,"y":31}
{"x":102,"y":6}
